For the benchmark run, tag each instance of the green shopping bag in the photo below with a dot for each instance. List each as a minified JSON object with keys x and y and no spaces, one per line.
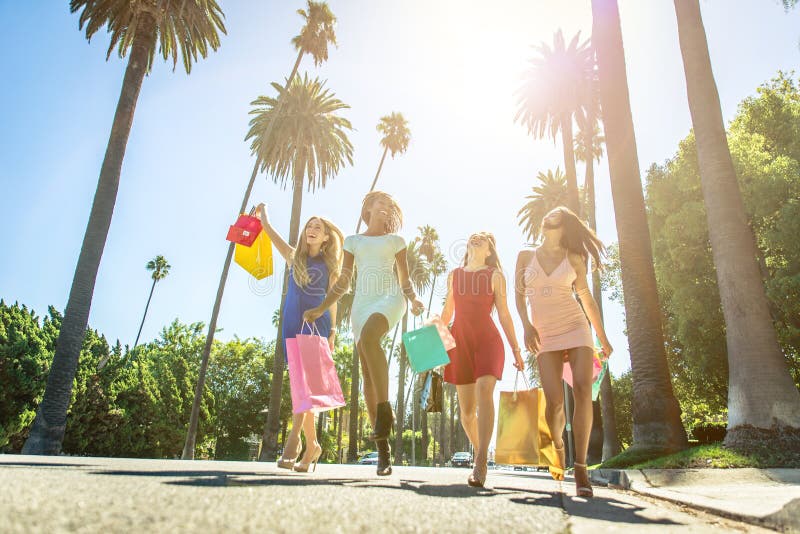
{"x":424,"y":348}
{"x":596,"y":384}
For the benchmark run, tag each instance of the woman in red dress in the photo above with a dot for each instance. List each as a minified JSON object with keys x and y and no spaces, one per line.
{"x":476,"y":363}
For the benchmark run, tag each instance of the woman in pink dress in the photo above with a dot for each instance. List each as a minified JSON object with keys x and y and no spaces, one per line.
{"x":551,"y":276}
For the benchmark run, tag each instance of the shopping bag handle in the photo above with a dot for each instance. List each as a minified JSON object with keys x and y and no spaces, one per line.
{"x":312,"y":328}
{"x":524,"y":379}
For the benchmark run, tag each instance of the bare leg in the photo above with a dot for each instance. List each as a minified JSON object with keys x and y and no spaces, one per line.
{"x":372,"y":354}
{"x":292,"y":446}
{"x":369,"y":390}
{"x":485,"y":389}
{"x":310,"y":430}
{"x":551,"y":370}
{"x":580,"y":359}
{"x":467,"y":403}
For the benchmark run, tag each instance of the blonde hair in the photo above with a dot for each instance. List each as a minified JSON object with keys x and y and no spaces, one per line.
{"x":331,"y":252}
{"x":493,"y":260}
{"x":395,"y":219}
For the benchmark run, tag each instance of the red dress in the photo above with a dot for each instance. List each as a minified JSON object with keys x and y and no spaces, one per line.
{"x":479,"y":349}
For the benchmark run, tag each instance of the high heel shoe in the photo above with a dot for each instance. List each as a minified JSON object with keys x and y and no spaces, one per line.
{"x":478,"y":477}
{"x":302,"y":467}
{"x":288,"y":463}
{"x":557,"y":472}
{"x":384,"y":420}
{"x":583,"y":488}
{"x":384,"y":457}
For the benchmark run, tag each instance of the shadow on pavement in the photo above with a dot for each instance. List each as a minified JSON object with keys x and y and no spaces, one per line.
{"x":42,"y":464}
{"x":420,"y":487}
{"x":597,"y":508}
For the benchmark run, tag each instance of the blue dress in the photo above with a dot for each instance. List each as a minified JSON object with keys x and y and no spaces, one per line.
{"x":299,"y":299}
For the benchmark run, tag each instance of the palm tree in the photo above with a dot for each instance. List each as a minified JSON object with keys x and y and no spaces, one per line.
{"x":396,"y":137}
{"x":190,"y":28}
{"x":552,"y":94}
{"x":160,"y":269}
{"x":656,"y":414}
{"x":308,"y":146}
{"x":419,"y":275}
{"x":313,"y":39}
{"x":428,"y":239}
{"x":761,"y":392}
{"x":550,"y":193}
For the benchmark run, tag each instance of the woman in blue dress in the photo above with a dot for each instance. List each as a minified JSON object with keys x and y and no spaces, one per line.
{"x":315,"y":265}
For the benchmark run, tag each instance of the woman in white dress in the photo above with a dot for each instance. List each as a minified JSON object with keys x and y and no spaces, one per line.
{"x":379,"y":304}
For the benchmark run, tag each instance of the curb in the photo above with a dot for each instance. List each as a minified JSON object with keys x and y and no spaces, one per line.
{"x":635,"y":480}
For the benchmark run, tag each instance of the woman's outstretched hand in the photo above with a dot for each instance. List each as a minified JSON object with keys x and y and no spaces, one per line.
{"x":417,"y":307}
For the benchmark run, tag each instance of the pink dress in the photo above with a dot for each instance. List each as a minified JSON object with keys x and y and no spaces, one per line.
{"x":556,"y":313}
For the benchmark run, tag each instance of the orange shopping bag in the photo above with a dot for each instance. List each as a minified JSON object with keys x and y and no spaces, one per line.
{"x":257,"y":258}
{"x":523,"y":437}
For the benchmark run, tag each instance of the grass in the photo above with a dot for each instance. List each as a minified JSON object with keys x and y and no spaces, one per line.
{"x":714,"y":456}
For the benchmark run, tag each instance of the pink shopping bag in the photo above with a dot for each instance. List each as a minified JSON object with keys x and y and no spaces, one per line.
{"x":447,"y":338}
{"x":597,"y":365}
{"x":312,"y":374}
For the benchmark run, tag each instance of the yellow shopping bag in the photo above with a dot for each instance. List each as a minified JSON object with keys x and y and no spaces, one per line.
{"x":523,"y":437}
{"x":256,"y":259}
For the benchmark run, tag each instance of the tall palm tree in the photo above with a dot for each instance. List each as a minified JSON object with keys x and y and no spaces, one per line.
{"x":551,"y":96}
{"x":160,"y":269}
{"x":656,"y":414}
{"x":137,"y":29}
{"x":588,"y":149}
{"x":428,"y":239}
{"x":761,"y":392}
{"x":550,"y":193}
{"x":313,"y":39}
{"x":308,"y":147}
{"x":395,"y":140}
{"x":419,"y":275}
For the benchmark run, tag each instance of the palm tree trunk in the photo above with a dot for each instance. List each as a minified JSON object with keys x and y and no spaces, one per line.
{"x":191,"y":433}
{"x":761,"y":392}
{"x":146,"y":307}
{"x":352,"y":431}
{"x":573,"y":201}
{"x":374,"y":182}
{"x":423,"y":421}
{"x":401,"y":403}
{"x":443,"y":448}
{"x":451,"y":442}
{"x":339,"y":426}
{"x":47,"y":432}
{"x":610,"y":442}
{"x":270,"y":437}
{"x":656,"y":414}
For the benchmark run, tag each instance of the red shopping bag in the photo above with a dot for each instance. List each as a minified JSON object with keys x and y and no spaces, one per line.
{"x":312,"y":374}
{"x":448,"y":340}
{"x":245,"y":230}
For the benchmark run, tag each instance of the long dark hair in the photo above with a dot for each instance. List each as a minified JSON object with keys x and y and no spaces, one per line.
{"x":578,"y":238}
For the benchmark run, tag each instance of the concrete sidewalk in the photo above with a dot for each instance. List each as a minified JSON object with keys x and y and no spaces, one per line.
{"x":765,"y":497}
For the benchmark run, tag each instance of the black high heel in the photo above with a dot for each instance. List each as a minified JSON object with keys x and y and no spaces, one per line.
{"x":384,"y":420}
{"x":384,"y":458}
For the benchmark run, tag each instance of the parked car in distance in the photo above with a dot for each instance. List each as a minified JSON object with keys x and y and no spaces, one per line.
{"x":371,"y":458}
{"x":461,"y":459}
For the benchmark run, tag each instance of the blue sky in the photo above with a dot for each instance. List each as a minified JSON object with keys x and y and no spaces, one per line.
{"x":450,"y":67}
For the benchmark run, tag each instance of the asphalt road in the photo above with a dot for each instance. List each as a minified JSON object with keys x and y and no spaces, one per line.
{"x":61,"y":494}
